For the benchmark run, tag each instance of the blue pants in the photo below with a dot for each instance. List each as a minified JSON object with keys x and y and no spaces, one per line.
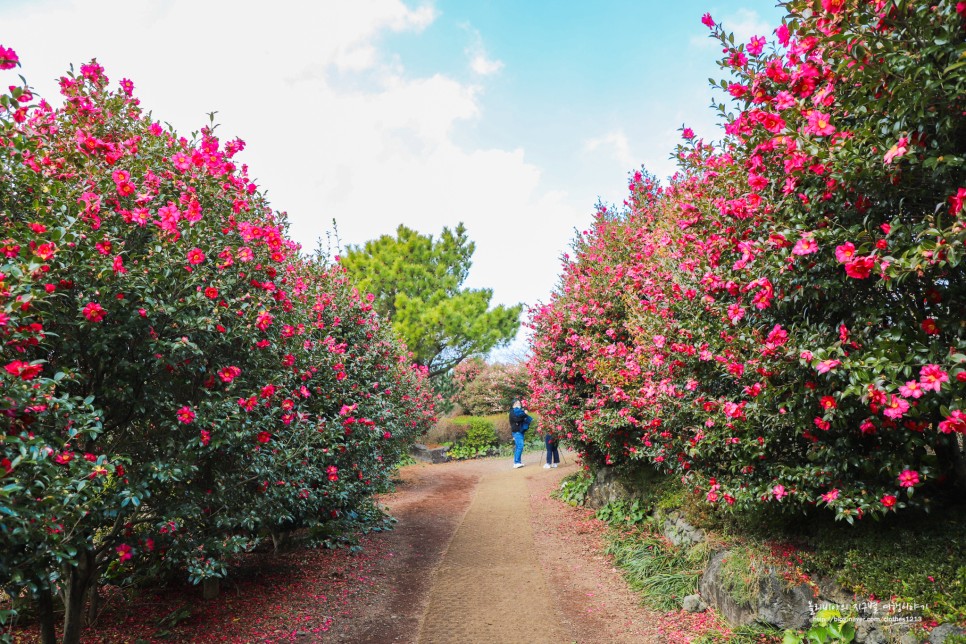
{"x":517,"y":446}
{"x":552,"y":451}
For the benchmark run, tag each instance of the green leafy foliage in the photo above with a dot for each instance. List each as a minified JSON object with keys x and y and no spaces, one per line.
{"x":178,"y":383}
{"x":781,"y":323}
{"x":479,"y":440}
{"x":418,"y":282}
{"x":573,"y":488}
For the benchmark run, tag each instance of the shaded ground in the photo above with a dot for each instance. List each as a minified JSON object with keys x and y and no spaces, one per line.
{"x":480,"y":553}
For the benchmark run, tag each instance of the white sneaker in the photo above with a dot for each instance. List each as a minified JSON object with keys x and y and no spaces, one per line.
{"x":516,"y":465}
{"x":554,"y":465}
{"x":546,"y":466}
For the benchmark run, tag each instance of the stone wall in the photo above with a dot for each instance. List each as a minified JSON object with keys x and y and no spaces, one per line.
{"x":775,"y":601}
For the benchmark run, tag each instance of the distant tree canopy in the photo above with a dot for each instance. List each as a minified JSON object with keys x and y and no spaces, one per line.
{"x":416,"y":281}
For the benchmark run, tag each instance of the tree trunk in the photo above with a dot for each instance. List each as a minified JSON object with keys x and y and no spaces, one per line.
{"x":93,"y":605}
{"x":79,"y":580}
{"x":45,"y":610}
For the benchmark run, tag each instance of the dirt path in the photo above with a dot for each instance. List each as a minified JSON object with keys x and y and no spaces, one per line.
{"x":482,"y":554}
{"x":490,"y":586}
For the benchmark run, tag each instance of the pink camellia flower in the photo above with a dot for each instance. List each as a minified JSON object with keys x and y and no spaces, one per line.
{"x":9,"y":58}
{"x":955,"y":422}
{"x":94,"y":312}
{"x":229,"y":373}
{"x":908,"y":478}
{"x":756,"y":45}
{"x":123,"y":552}
{"x":897,"y":151}
{"x":957,"y":201}
{"x":186,"y":415}
{"x":827,"y":365}
{"x":707,"y":21}
{"x":819,"y":124}
{"x":888,"y":501}
{"x":805,"y":246}
{"x":127,"y":86}
{"x":911,"y":389}
{"x":831,"y":495}
{"x":896,"y":407}
{"x":845,"y":252}
{"x":196,"y":256}
{"x":205,"y":437}
{"x":332,"y":473}
{"x":687,"y":133}
{"x":783,"y":34}
{"x":779,"y":492}
{"x":735,"y":313}
{"x":931,"y":377}
{"x":833,"y":6}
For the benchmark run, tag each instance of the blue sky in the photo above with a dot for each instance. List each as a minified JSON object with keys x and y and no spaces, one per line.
{"x":512,"y":117}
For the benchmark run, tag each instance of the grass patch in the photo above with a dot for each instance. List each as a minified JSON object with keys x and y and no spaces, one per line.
{"x":750,"y":634}
{"x":663,"y":573}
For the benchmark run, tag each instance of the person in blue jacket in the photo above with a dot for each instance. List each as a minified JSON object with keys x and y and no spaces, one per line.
{"x":519,"y":424}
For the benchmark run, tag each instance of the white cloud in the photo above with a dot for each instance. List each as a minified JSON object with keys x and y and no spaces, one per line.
{"x":484,"y":66}
{"x":616,"y":143}
{"x":480,"y":61}
{"x":336,"y":128}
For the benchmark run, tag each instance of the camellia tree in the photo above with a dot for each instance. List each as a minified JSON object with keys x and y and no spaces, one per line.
{"x":178,"y":383}
{"x":782,"y":323}
{"x":418,"y":282}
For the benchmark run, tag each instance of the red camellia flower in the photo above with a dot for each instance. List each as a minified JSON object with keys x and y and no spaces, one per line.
{"x":124,"y":552}
{"x":211,"y":292}
{"x":860,"y":267}
{"x":833,"y":6}
{"x":889,"y":501}
{"x":23,"y":370}
{"x":186,"y":415}
{"x":94,"y":312}
{"x":45,"y":251}
{"x":263,"y":437}
{"x":827,"y":402}
{"x":264,"y":320}
{"x":205,"y":437}
{"x":196,"y":256}
{"x":930,"y":327}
